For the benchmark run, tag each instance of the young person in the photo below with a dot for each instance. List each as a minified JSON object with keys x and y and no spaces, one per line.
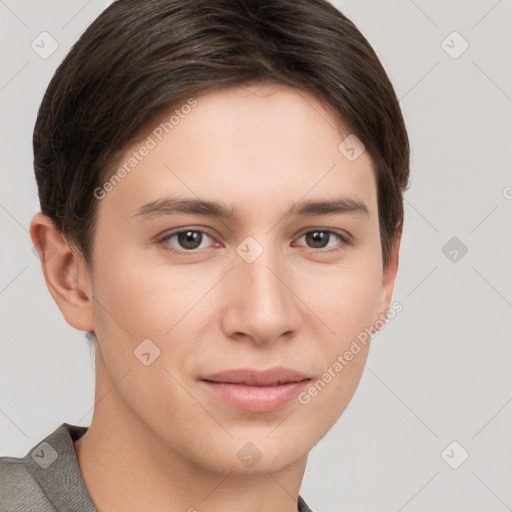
{"x":221,"y":189}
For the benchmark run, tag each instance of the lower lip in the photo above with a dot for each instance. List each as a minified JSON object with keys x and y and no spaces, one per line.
{"x":256,"y":398}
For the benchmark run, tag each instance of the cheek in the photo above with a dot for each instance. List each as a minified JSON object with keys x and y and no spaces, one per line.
{"x":325,"y":400}
{"x":144,"y":299}
{"x":344,"y":299}
{"x":136,"y":300}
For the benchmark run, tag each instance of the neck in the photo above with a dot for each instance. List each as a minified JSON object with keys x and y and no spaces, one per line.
{"x":127,"y":466}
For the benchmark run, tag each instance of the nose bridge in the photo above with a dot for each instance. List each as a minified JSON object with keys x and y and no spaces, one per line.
{"x":263,"y":298}
{"x":261,"y":268}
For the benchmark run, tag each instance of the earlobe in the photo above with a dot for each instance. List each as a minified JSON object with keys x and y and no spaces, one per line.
{"x":64,"y":272}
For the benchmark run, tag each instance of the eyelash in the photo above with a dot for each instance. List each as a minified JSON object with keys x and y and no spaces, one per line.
{"x":164,"y":241}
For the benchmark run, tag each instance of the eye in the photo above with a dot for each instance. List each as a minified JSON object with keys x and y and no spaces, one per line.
{"x":320,"y":238}
{"x":188,"y":240}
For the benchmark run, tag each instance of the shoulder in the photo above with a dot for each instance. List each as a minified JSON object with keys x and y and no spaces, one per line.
{"x":19,"y":490}
{"x":302,"y":505}
{"x":47,"y":478}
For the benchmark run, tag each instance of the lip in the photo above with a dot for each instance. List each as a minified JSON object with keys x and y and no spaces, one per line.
{"x":256,"y":390}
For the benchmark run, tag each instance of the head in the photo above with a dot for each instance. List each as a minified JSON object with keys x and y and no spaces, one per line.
{"x":181,"y":153}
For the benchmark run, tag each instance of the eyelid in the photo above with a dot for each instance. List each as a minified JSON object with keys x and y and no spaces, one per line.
{"x":344,"y":235}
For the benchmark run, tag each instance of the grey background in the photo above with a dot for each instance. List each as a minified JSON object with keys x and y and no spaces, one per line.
{"x":438,"y":373}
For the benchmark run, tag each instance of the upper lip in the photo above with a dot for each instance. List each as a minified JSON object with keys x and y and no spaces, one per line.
{"x":250,"y":377}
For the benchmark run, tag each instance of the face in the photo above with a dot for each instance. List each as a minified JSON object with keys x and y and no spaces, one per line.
{"x":197,"y":306}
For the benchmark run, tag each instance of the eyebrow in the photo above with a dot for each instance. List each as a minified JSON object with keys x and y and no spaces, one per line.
{"x":173,"y":206}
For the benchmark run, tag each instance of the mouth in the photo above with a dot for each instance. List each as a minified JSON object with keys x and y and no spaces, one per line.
{"x":256,"y":390}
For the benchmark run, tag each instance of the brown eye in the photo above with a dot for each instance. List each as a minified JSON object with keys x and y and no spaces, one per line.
{"x":318,"y":239}
{"x":187,"y":240}
{"x":322,"y":238}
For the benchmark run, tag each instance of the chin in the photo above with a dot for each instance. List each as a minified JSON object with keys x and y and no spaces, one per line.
{"x":268,"y":463}
{"x":264,"y":453}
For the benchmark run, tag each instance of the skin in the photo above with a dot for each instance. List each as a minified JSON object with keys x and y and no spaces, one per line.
{"x":158,"y":440}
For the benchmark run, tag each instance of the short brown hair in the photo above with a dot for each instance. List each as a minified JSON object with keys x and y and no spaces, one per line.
{"x":138,"y":59}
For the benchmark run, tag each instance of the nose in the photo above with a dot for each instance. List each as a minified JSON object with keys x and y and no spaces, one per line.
{"x":261,"y":305}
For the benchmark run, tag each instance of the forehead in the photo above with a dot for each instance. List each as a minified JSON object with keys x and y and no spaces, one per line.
{"x":261,"y":146}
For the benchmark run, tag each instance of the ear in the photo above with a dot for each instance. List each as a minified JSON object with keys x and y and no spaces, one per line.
{"x":65,"y":273}
{"x":389,"y":275}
